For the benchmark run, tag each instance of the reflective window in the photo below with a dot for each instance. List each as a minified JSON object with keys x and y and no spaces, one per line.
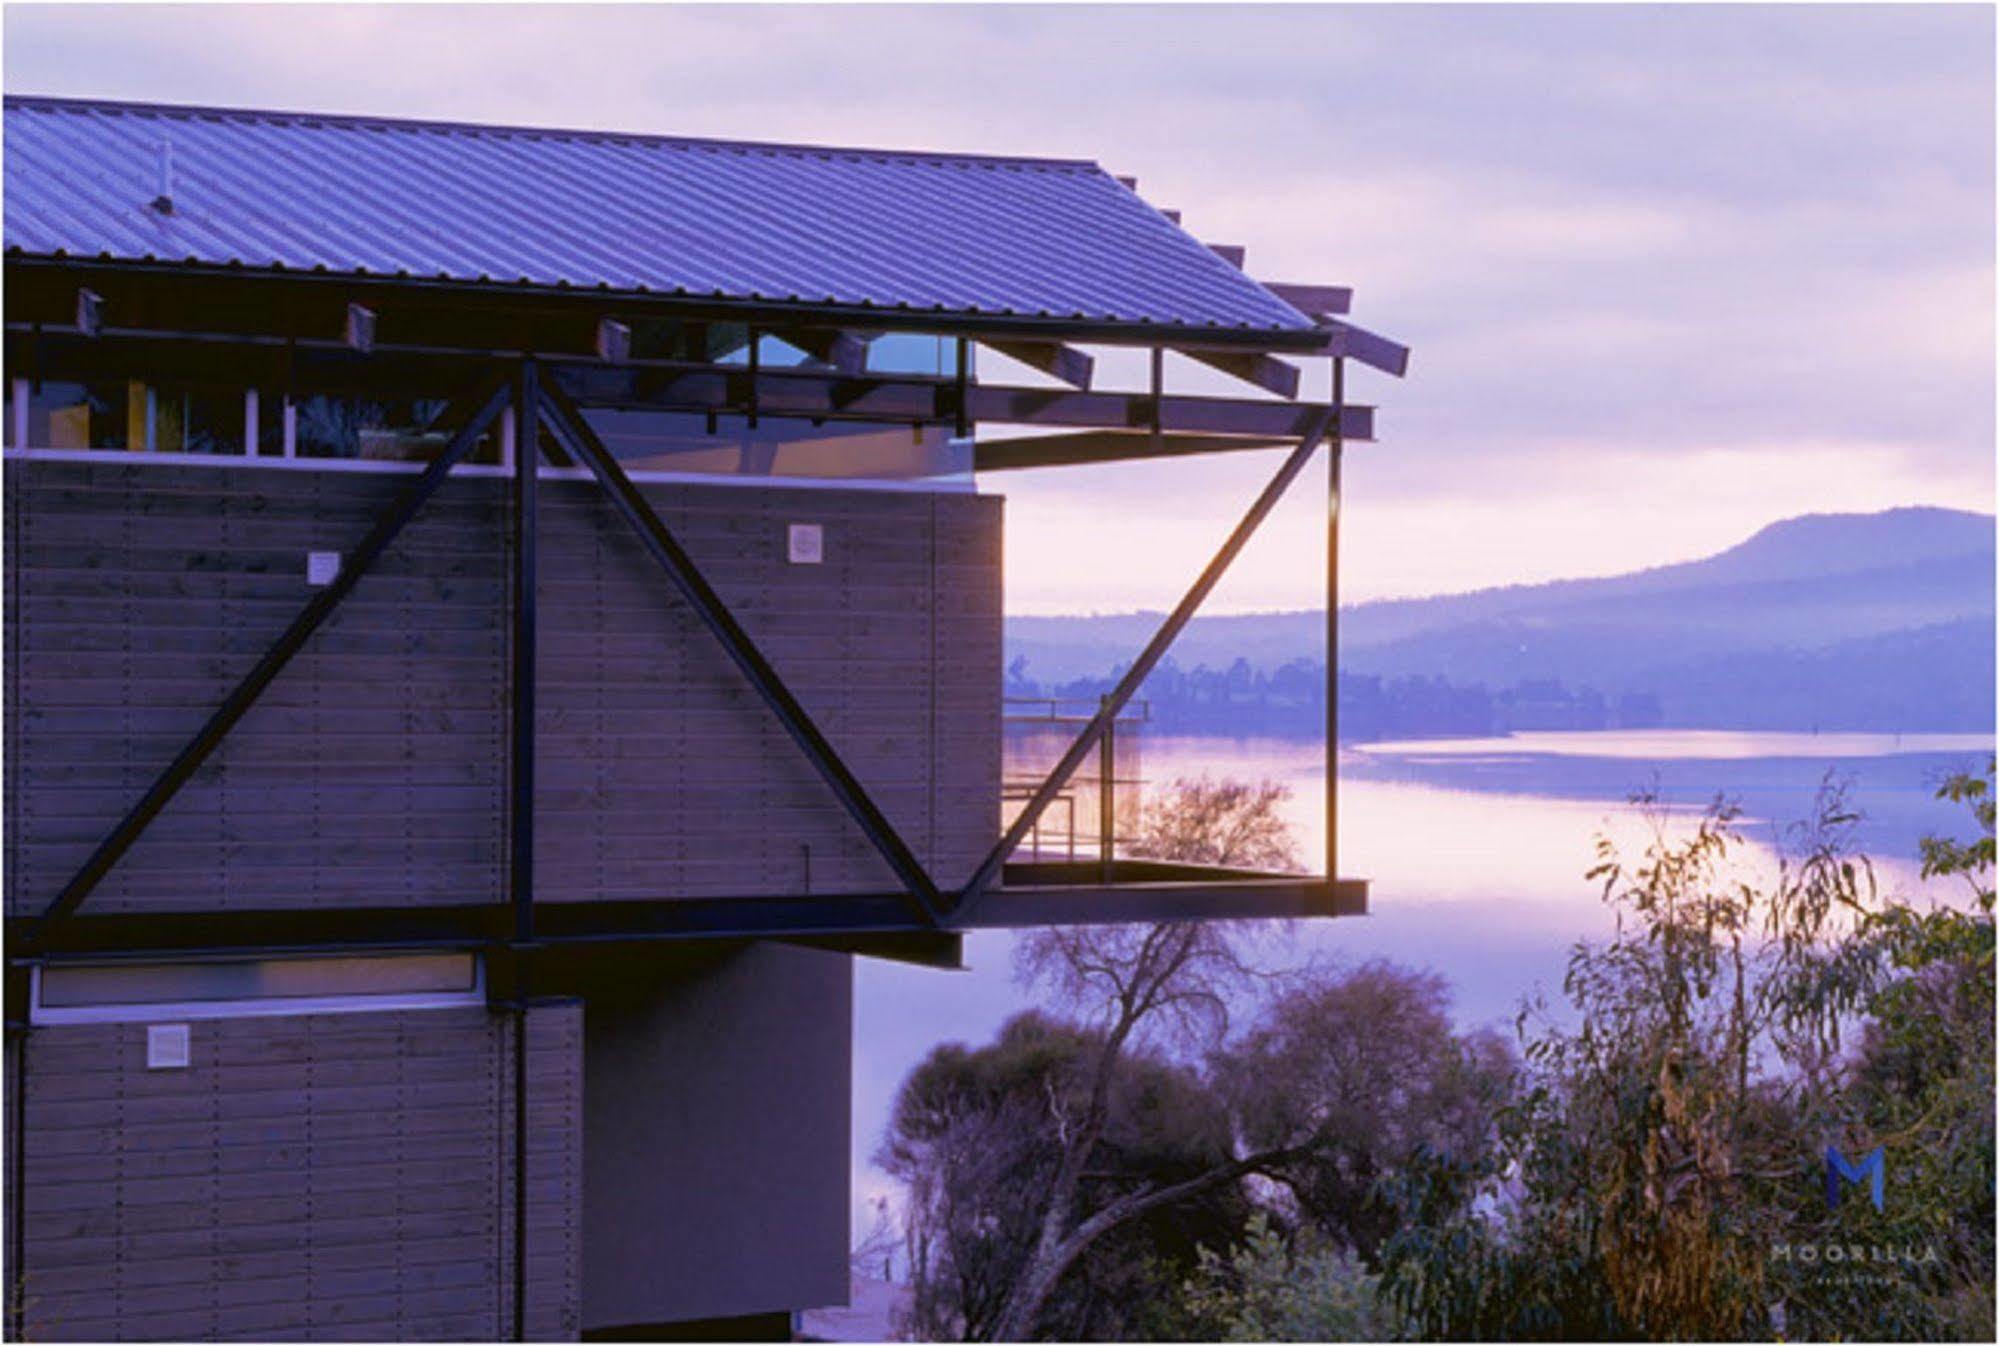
{"x":263,"y":986}
{"x":657,"y":441}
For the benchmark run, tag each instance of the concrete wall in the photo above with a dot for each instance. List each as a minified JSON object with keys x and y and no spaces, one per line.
{"x":335,"y":1176}
{"x":718,"y":1105}
{"x":373,"y":771}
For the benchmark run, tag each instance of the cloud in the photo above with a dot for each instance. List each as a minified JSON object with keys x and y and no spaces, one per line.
{"x":1636,"y":249}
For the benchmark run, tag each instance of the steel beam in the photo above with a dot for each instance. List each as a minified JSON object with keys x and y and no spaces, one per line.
{"x":663,"y":385}
{"x":1073,"y":447}
{"x":520,"y":820}
{"x":1314,"y":301}
{"x":239,"y":701}
{"x":1072,"y":901}
{"x":1265,"y":371}
{"x":1376,"y":352}
{"x":1052,"y":358}
{"x":569,"y":426}
{"x":1141,"y":667}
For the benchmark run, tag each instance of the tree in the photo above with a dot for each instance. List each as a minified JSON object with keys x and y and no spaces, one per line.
{"x":1136,"y":981}
{"x":1219,"y":822}
{"x":1026,"y":1199}
{"x":1274,"y":1288}
{"x":1923,"y":1084}
{"x":1365,"y":1073}
{"x":976,"y":1138}
{"x":1665,"y":1163}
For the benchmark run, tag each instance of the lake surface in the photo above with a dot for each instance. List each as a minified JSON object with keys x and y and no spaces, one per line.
{"x":1476,"y":850}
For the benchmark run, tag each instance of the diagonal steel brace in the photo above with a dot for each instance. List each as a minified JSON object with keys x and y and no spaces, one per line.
{"x":1141,"y":668}
{"x":561,"y":416}
{"x":491,"y":397}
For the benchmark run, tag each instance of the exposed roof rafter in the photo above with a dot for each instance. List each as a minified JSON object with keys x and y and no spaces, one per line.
{"x":843,"y":351}
{"x":614,"y":341}
{"x":360,"y":329}
{"x":1266,"y":372}
{"x":1314,"y":301}
{"x":1376,"y":352}
{"x":1075,"y":368}
{"x":89,"y":312}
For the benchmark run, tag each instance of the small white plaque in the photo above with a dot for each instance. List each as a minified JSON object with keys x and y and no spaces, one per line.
{"x":806,"y":544}
{"x":166,"y":1047}
{"x":321,"y":568}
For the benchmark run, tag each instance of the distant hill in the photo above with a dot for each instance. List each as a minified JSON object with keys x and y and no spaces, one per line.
{"x":1843,"y":620}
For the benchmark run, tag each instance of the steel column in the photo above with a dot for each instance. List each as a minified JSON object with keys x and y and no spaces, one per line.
{"x":238,"y":702}
{"x":527,"y":458}
{"x":569,"y":426}
{"x":1141,"y":668}
{"x":1106,"y":800}
{"x":520,"y":818}
{"x":1334,"y":446}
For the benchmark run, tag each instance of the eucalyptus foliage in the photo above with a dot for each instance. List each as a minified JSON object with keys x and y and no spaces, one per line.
{"x":1662,"y":1173}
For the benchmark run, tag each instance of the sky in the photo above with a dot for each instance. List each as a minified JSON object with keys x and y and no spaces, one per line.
{"x":1670,"y":273}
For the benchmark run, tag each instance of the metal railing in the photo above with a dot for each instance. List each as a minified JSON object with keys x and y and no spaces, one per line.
{"x":1067,"y":837}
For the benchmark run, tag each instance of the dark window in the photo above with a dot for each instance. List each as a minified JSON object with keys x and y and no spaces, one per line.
{"x":403,"y":431}
{"x":137,"y":416}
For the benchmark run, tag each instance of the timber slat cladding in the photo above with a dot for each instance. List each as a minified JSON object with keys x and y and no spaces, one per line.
{"x":322,"y":1177}
{"x":373,"y":770}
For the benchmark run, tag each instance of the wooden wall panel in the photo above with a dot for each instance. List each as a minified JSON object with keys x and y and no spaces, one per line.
{"x":373,"y":771}
{"x":325,"y":1176}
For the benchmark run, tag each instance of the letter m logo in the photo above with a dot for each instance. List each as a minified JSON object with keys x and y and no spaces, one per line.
{"x":1873,"y":1169}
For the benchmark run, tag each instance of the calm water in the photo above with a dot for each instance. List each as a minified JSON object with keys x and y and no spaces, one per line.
{"x":1476,"y":849}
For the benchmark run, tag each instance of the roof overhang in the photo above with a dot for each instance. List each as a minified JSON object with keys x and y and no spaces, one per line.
{"x":286,"y":290}
{"x":334,"y":334}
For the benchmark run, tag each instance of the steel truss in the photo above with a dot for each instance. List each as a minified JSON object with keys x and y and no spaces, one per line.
{"x":925,"y":918}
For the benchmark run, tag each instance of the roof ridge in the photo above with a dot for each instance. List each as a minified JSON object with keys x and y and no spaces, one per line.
{"x":190,"y":111}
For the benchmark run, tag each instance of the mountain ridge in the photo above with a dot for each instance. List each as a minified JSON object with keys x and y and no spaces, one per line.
{"x":1780,"y":599}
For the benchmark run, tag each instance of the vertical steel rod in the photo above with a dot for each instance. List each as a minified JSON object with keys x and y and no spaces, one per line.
{"x":1107,"y":796}
{"x":526,"y":479}
{"x":1158,"y":401}
{"x":521,"y":827}
{"x":1333,"y":447}
{"x":961,"y":413}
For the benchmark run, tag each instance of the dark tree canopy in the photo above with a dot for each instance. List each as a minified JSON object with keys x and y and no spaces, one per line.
{"x":976,"y":1137}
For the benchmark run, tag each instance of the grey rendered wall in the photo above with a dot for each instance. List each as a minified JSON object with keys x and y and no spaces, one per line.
{"x":373,"y":770}
{"x":341,"y":1176}
{"x":718,"y":1110}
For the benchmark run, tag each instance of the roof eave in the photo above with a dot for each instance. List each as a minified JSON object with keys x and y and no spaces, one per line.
{"x":612,"y":302}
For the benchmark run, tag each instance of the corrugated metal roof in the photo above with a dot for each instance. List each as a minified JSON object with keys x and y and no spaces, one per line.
{"x":964,"y":234}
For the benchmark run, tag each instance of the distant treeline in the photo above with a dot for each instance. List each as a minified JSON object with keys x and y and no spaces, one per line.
{"x":1290,"y":701}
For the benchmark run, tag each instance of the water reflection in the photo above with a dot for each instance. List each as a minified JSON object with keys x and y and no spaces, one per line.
{"x":1656,"y":745}
{"x":1476,"y":852}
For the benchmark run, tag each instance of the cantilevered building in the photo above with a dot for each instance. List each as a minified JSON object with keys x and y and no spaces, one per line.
{"x":496,"y":621}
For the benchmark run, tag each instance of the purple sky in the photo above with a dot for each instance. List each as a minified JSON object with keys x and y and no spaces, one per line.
{"x":1669,"y":273}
